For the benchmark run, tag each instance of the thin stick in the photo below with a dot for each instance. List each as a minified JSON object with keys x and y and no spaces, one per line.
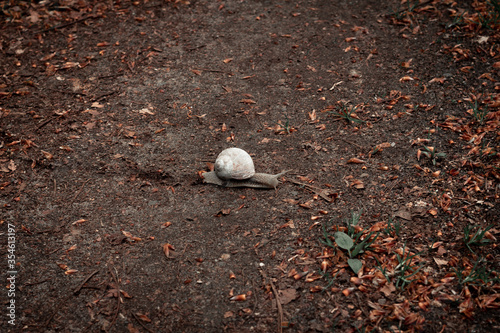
{"x":278,"y":304}
{"x":319,"y":191}
{"x":118,"y":298}
{"x":79,"y":191}
{"x":77,"y":290}
{"x":352,"y":143}
{"x":64,"y":25}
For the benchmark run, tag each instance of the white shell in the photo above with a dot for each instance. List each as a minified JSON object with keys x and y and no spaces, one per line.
{"x":234,"y":163}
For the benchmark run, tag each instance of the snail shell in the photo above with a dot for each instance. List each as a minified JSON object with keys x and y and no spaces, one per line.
{"x":234,"y":163}
{"x":235,"y":168}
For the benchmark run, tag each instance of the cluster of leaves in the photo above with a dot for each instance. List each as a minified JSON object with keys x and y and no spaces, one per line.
{"x":381,"y":261}
{"x":347,"y":113}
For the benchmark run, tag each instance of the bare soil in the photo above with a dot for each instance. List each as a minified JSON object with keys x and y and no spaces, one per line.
{"x":111,"y":110}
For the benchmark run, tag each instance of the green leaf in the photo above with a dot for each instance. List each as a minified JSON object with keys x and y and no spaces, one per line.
{"x":343,"y":240}
{"x":355,"y":265}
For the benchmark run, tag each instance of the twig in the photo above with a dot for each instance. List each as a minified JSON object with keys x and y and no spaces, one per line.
{"x":45,"y":123}
{"x":352,"y":143}
{"x":35,"y":283}
{"x":118,"y":298}
{"x":64,"y":25}
{"x":77,"y":290}
{"x":95,"y":99}
{"x":79,"y":191}
{"x":319,"y":191}
{"x":278,"y":304}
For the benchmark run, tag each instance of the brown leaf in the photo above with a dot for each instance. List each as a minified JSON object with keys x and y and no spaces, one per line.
{"x":438,"y":79}
{"x":47,"y":155}
{"x":388,"y":289}
{"x":169,"y":249}
{"x":287,"y":295}
{"x":406,"y":64}
{"x":312,"y":115}
{"x":441,"y":262}
{"x":239,"y":298}
{"x":357,"y":183}
{"x":196,"y":72}
{"x":406,"y":78}
{"x":356,"y":161}
{"x":227,"y":60}
{"x":143,"y":317}
{"x":248,"y":101}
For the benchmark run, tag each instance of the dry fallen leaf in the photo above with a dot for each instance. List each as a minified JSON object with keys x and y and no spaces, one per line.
{"x":357,"y":183}
{"x":287,"y":295}
{"x":248,"y":101}
{"x":441,"y":262}
{"x":169,"y":249}
{"x":143,"y":317}
{"x":356,"y":161}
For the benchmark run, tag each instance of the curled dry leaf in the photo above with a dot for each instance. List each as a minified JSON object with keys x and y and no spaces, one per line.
{"x":406,"y":78}
{"x":355,"y":160}
{"x":168,"y":249}
{"x":357,"y":183}
{"x":143,"y":317}
{"x":70,"y":271}
{"x":239,"y":298}
{"x":248,"y":101}
{"x":47,"y":155}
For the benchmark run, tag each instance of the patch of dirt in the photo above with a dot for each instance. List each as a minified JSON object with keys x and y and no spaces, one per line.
{"x":386,"y":113}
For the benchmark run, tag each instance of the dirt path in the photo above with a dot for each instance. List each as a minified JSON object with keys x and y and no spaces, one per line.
{"x":110,"y":110}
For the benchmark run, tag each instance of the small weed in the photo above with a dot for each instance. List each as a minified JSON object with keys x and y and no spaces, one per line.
{"x":392,"y":228}
{"x":346,"y":113}
{"x":476,"y":239}
{"x":478,"y":275}
{"x":285,"y":127}
{"x":457,"y":21}
{"x":492,"y":17}
{"x":404,"y":270}
{"x":350,"y":241}
{"x":478,"y":112}
{"x":431,"y":153}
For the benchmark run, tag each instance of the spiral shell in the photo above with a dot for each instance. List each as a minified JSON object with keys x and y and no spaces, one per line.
{"x":234,"y":163}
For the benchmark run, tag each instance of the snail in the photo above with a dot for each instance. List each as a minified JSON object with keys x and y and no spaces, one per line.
{"x":234,"y":168}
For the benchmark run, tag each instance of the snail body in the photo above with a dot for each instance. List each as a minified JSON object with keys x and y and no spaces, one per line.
{"x":234,"y":168}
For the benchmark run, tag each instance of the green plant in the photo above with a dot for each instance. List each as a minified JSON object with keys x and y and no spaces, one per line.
{"x":490,"y":18}
{"x":476,"y":239}
{"x":432,"y":154}
{"x":350,"y":241}
{"x":393,"y":228}
{"x":286,"y":127}
{"x":404,"y":271}
{"x":478,"y":275}
{"x":346,"y":113}
{"x":478,"y":112}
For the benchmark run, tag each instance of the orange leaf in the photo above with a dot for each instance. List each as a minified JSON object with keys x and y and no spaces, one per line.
{"x":248,"y":101}
{"x":406,"y":78}
{"x":195,"y":71}
{"x":143,"y":317}
{"x":355,"y":161}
